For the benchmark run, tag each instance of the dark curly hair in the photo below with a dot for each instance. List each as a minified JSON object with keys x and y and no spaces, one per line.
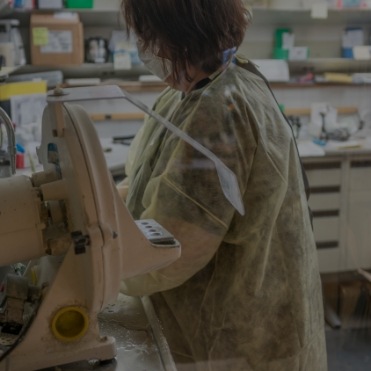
{"x":193,"y":32}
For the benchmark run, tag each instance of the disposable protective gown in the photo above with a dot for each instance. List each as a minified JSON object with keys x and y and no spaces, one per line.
{"x":245,"y":294}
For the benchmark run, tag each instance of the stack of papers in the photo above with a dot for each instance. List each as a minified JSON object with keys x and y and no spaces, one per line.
{"x":333,"y":145}
{"x":308,"y":149}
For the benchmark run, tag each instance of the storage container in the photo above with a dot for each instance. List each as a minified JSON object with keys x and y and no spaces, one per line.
{"x":79,"y":4}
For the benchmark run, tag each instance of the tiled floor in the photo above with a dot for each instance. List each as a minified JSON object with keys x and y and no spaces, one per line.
{"x":349,"y":350}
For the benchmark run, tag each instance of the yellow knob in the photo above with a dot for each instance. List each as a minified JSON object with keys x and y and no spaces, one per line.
{"x":70,"y":323}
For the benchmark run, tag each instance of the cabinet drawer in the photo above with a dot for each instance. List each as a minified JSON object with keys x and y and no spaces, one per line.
{"x":330,"y":260}
{"x":326,"y":228}
{"x":360,"y":175}
{"x":323,"y":173}
{"x":326,"y":177}
{"x":324,"y":201}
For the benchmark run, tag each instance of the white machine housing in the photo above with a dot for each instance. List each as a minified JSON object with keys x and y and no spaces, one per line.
{"x":71,"y":223}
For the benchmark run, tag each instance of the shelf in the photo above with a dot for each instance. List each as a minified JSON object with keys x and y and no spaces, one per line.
{"x":106,"y":70}
{"x":93,"y":18}
{"x":110,"y":16}
{"x":89,"y":17}
{"x":303,"y":16}
{"x":107,"y":13}
{"x":313,"y":85}
{"x":258,"y":44}
{"x":86,"y":70}
{"x":321,"y":65}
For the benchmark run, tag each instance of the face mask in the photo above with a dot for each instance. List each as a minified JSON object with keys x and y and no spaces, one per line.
{"x":160,"y":67}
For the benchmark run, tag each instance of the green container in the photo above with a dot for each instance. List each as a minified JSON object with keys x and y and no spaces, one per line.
{"x":279,"y":53}
{"x":79,"y":4}
{"x":278,"y":36}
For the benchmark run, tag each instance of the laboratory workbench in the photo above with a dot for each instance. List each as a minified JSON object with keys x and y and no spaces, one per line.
{"x":333,"y":148}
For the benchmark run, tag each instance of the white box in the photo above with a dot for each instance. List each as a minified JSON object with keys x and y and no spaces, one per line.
{"x":298,"y":53}
{"x":7,"y":51}
{"x":50,"y":4}
{"x":362,"y":52}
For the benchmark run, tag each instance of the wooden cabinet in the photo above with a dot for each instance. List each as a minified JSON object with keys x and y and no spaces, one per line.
{"x":359,"y":210}
{"x":325,"y":180}
{"x":341,"y":205}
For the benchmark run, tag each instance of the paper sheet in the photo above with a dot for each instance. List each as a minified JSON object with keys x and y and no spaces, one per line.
{"x":320,"y":10}
{"x":308,"y":149}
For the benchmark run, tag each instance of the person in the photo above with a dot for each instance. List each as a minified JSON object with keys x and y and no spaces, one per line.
{"x":246,"y":292}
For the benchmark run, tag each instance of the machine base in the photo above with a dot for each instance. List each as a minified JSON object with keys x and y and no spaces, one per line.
{"x":102,"y":351}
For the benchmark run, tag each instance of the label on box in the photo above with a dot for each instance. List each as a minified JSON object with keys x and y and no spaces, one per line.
{"x":352,"y":37}
{"x":58,"y":42}
{"x":288,"y":40}
{"x":320,"y":10}
{"x":298,"y":53}
{"x":362,"y":52}
{"x":121,"y":60}
{"x":26,"y":110}
{"x":40,"y":36}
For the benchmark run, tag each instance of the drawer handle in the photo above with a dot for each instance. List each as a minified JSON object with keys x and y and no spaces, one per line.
{"x":327,"y":245}
{"x":325,"y":213}
{"x":323,"y":166}
{"x":330,"y":189}
{"x":360,"y":163}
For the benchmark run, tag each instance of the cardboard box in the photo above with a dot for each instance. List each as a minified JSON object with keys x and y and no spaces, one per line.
{"x":17,"y":89}
{"x":56,"y":39}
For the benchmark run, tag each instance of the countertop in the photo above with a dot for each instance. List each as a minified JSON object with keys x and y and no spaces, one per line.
{"x":141,"y":345}
{"x":308,"y":148}
{"x":114,"y":153}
